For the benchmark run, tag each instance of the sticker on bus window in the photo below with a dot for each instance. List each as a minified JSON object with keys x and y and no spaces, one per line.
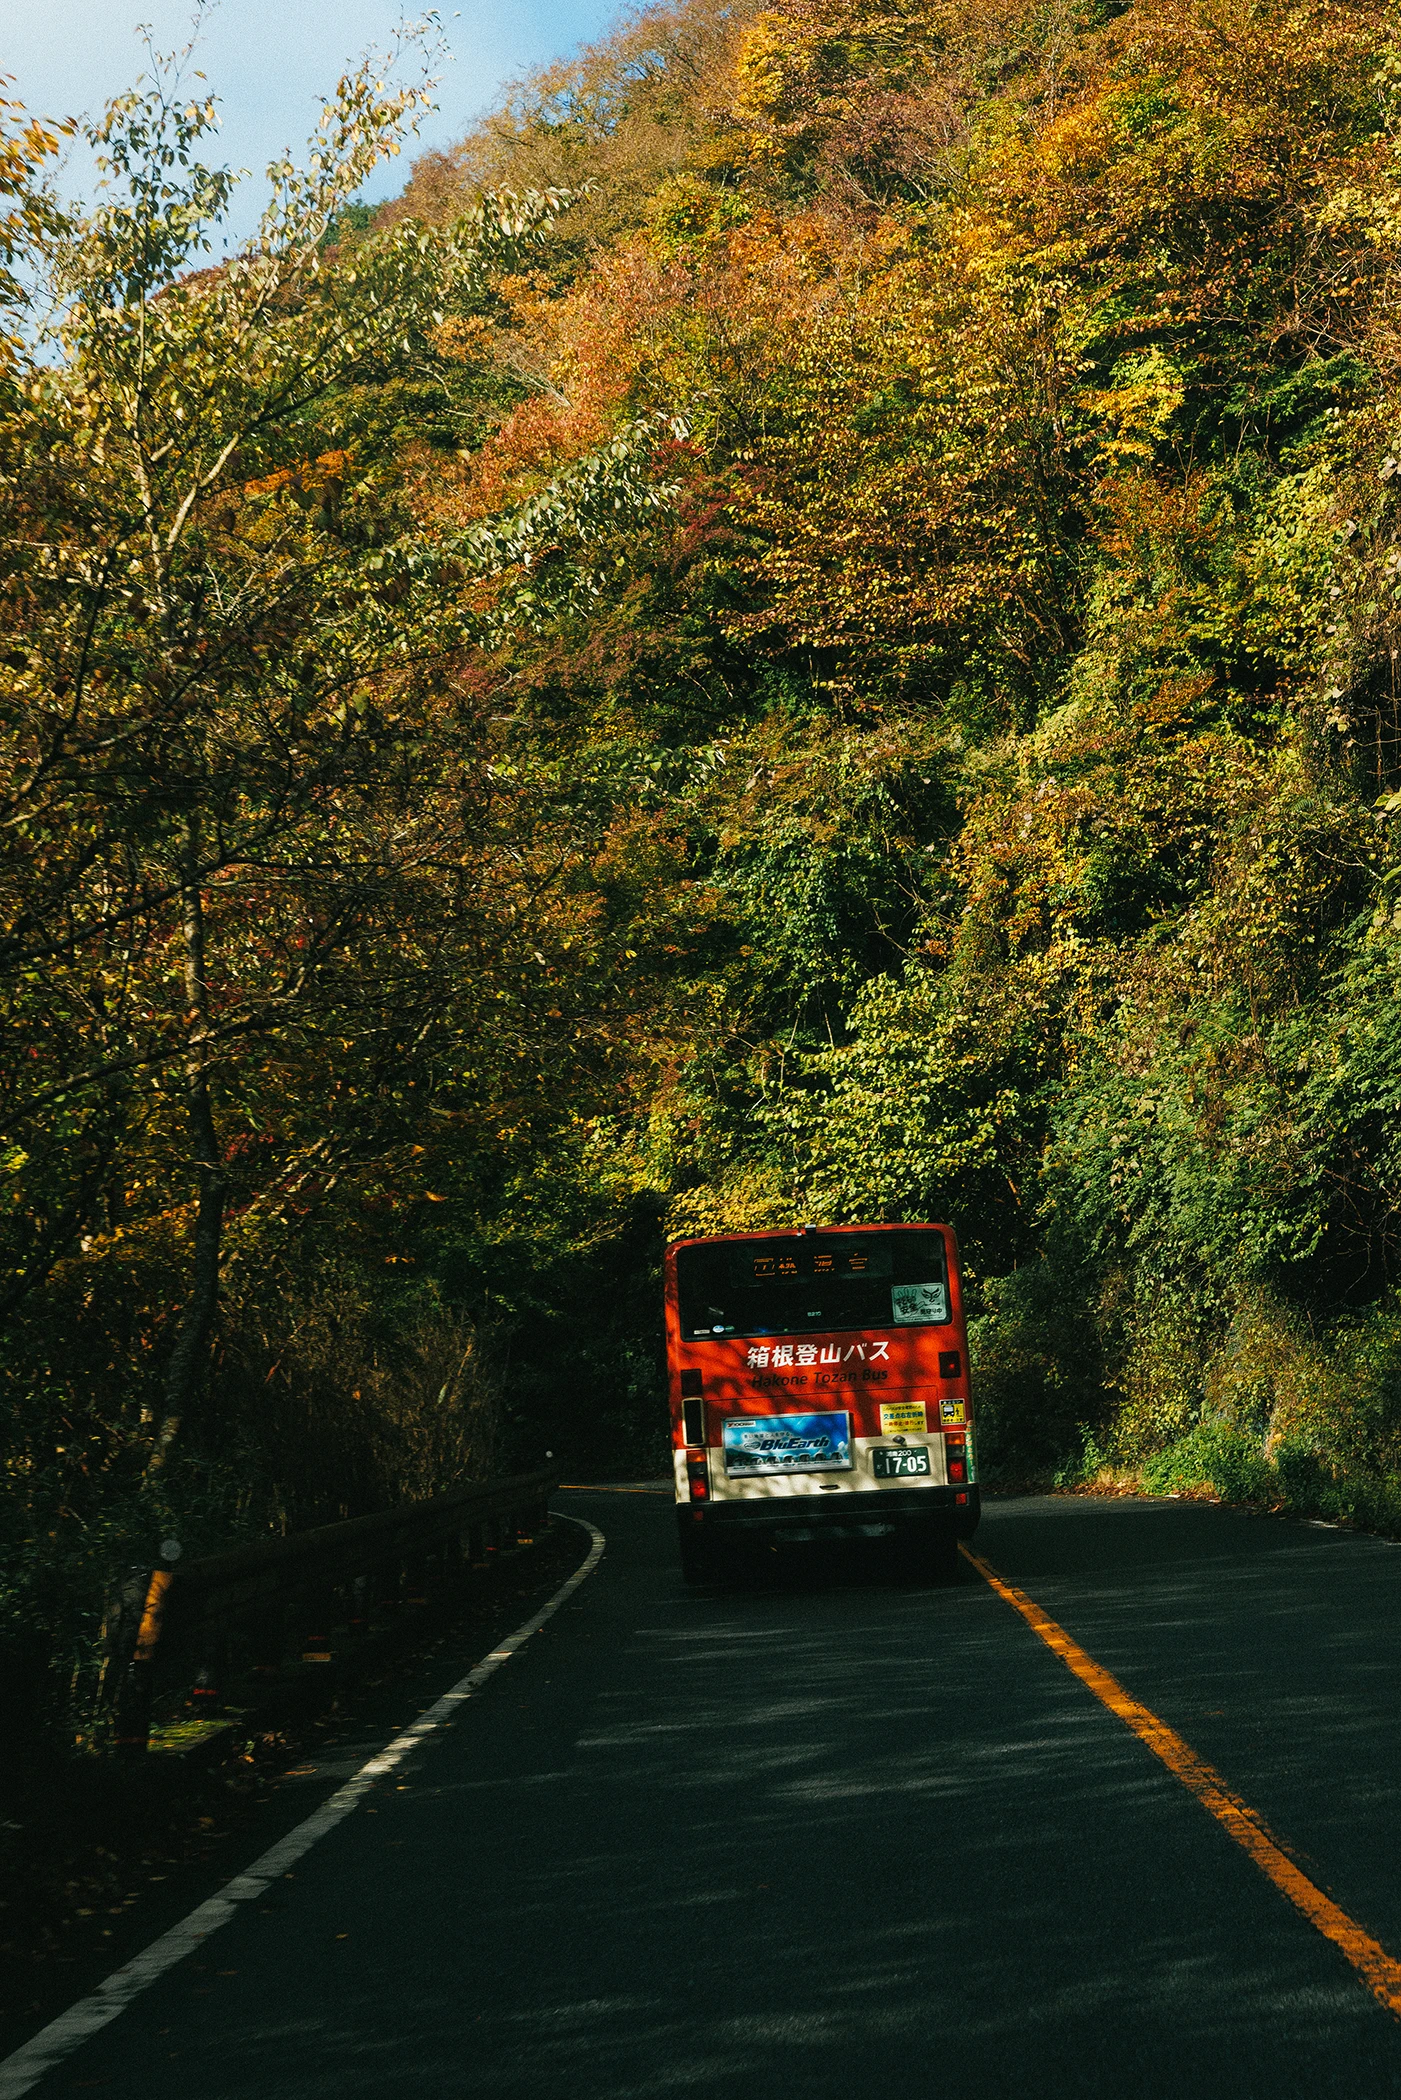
{"x":787,"y":1444}
{"x":951,"y":1414}
{"x":900,"y":1415}
{"x":919,"y":1304}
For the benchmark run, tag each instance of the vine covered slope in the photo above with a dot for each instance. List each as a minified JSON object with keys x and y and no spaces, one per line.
{"x":1007,"y":693}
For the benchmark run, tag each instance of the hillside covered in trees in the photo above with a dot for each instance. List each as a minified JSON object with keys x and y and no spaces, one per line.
{"x":804,"y":628}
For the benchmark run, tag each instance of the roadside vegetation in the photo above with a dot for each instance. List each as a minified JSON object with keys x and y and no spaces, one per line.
{"x":804,"y":627}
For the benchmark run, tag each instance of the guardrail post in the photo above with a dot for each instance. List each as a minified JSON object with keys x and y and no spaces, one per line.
{"x":317,"y":1610}
{"x":267,"y":1638}
{"x":133,"y":1715}
{"x":120,"y":1624}
{"x":205,"y":1695}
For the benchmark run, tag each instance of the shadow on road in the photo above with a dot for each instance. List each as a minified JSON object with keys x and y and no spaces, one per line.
{"x":823,"y":1834}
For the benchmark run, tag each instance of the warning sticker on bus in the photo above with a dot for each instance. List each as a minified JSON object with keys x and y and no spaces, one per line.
{"x":899,"y":1415}
{"x":787,"y":1444}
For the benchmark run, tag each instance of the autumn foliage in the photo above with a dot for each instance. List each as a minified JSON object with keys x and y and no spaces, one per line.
{"x":821,"y":642}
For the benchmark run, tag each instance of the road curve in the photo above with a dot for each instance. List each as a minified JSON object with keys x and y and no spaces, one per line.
{"x":829,"y":1835}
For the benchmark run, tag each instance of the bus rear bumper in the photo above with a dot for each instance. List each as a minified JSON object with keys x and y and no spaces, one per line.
{"x":896,"y":1514}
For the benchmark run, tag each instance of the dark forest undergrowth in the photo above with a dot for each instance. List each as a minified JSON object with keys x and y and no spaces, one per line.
{"x":99,"y":1856}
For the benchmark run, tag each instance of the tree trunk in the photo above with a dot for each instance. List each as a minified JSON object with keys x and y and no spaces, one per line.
{"x":190,"y":1354}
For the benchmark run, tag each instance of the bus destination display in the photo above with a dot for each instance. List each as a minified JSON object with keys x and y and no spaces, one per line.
{"x":813,"y":1283}
{"x":784,"y":1265}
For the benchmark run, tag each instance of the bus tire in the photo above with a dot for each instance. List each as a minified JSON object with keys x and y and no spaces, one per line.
{"x":928,"y":1557}
{"x":696,"y":1562}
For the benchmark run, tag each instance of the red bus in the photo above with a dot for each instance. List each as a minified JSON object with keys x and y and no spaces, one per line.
{"x":819,"y":1389}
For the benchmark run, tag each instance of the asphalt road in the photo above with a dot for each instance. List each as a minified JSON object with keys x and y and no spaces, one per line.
{"x":831,"y":1836}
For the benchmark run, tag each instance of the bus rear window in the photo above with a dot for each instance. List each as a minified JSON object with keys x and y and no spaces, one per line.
{"x":827,"y":1282}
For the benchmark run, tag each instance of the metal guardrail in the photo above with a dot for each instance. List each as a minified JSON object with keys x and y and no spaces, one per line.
{"x":237,"y":1616}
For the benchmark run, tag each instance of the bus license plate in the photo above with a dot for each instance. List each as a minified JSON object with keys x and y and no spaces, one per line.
{"x":899,"y":1465}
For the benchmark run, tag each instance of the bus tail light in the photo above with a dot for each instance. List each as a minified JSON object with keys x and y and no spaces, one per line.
{"x":698,"y":1476}
{"x":958,"y":1463}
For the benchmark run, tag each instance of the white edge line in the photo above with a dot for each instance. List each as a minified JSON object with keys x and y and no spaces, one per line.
{"x":20,"y":2072}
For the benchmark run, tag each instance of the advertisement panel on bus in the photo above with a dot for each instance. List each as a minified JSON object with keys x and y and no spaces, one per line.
{"x":819,"y":1388}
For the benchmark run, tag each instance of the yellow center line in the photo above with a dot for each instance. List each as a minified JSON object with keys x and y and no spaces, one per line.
{"x":1371,"y":1960}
